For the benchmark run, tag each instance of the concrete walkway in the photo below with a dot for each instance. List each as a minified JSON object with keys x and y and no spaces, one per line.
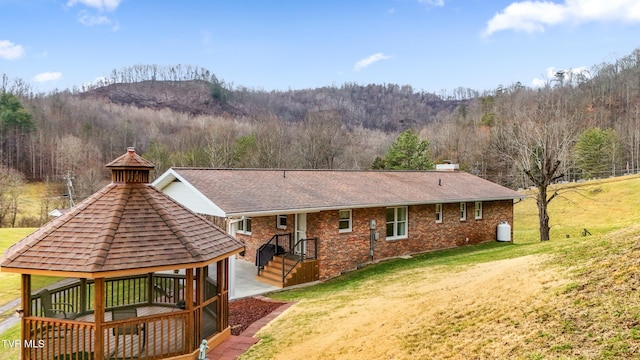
{"x":13,"y":319}
{"x":246,"y":284}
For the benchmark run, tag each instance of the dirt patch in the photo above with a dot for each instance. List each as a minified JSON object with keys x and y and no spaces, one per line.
{"x":244,"y":312}
{"x":472,"y":313}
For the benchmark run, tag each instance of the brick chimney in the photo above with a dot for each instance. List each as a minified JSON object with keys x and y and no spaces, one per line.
{"x":447,"y":166}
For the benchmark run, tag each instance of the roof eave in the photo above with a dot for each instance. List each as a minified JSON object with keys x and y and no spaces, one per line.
{"x":257,"y":213}
{"x":116,"y":273}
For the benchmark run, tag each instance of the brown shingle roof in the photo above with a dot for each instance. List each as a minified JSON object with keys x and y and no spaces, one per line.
{"x":245,"y":191}
{"x":124,"y":226}
{"x":130,"y":160}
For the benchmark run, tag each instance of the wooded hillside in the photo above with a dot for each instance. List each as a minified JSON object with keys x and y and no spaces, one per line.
{"x":185,"y":116}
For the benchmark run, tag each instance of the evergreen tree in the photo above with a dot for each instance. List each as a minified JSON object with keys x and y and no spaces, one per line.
{"x":595,"y":151}
{"x":15,"y":123}
{"x":408,"y":152}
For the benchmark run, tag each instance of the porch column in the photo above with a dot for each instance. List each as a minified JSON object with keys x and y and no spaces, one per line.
{"x":25,"y":300}
{"x":98,"y":312}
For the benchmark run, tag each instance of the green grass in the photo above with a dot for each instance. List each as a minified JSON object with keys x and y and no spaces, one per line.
{"x":10,"y":353}
{"x":10,"y":282}
{"x":10,"y":288}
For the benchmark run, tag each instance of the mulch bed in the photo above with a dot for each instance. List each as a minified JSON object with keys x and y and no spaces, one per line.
{"x":244,"y":312}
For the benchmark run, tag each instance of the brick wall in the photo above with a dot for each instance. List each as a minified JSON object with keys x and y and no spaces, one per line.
{"x":262,"y":229}
{"x":339,"y":252}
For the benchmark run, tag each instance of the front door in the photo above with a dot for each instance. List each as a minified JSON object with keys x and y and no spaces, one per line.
{"x":301,"y":233}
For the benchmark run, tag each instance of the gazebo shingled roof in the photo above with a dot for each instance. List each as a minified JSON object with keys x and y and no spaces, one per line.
{"x":128,"y":226}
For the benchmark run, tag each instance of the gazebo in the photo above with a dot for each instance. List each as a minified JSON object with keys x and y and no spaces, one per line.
{"x":146,"y":277}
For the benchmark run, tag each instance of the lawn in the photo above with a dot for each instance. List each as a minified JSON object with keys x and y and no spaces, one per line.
{"x":10,"y":288}
{"x":571,"y":297}
{"x":10,"y":282}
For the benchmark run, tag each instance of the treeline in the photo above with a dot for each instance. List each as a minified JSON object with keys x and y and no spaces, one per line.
{"x":346,"y":127}
{"x":386,"y":107}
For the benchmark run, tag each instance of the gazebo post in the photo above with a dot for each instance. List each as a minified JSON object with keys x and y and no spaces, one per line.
{"x":222,"y":271}
{"x":188,"y":298}
{"x":83,"y":295}
{"x":198,"y":292}
{"x":98,"y":308}
{"x":25,"y":300}
{"x":150,"y":291}
{"x":197,"y":331}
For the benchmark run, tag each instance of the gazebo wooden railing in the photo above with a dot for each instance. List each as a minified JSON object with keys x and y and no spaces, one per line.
{"x":123,"y":291}
{"x":163,"y":327}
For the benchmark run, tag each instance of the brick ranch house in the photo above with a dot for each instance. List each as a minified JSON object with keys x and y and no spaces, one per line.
{"x":326,"y":222}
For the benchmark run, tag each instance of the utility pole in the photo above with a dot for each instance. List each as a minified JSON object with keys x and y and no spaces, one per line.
{"x":70,"y":192}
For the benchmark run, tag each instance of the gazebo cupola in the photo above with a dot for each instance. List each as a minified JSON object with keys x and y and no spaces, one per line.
{"x":130,"y":168}
{"x":122,"y":300}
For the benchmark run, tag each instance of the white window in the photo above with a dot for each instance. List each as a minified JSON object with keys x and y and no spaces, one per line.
{"x":478,"y":210}
{"x":396,"y":223}
{"x":438,"y":213}
{"x":344,"y":224}
{"x":244,"y":226}
{"x":281,"y":221}
{"x":463,"y":211}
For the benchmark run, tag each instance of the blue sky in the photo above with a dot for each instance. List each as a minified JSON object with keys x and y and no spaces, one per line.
{"x":432,"y":45}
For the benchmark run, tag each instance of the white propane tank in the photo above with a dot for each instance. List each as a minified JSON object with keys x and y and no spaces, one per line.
{"x":504,"y":231}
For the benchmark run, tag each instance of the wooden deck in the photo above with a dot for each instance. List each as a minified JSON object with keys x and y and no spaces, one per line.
{"x":161,"y":334}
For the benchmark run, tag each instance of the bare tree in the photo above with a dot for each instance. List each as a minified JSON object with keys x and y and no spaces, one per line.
{"x":273,"y":144}
{"x":10,"y":183}
{"x":221,"y":141}
{"x":321,"y":140}
{"x":536,"y":141}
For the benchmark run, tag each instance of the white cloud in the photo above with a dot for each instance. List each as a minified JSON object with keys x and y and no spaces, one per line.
{"x":10,"y":51}
{"x":435,"y":3}
{"x":536,"y":16}
{"x":101,"y":5}
{"x":206,"y":37}
{"x":47,"y":76}
{"x":370,"y":60}
{"x":87,"y":19}
{"x":572,"y":76}
{"x":91,"y":20}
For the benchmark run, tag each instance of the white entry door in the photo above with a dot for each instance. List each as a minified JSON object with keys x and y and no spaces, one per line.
{"x":301,"y":233}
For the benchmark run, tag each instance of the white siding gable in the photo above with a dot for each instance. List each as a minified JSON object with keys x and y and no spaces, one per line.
{"x":182,"y":192}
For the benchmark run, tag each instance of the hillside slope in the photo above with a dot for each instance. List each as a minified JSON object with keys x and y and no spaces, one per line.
{"x":192,"y":97}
